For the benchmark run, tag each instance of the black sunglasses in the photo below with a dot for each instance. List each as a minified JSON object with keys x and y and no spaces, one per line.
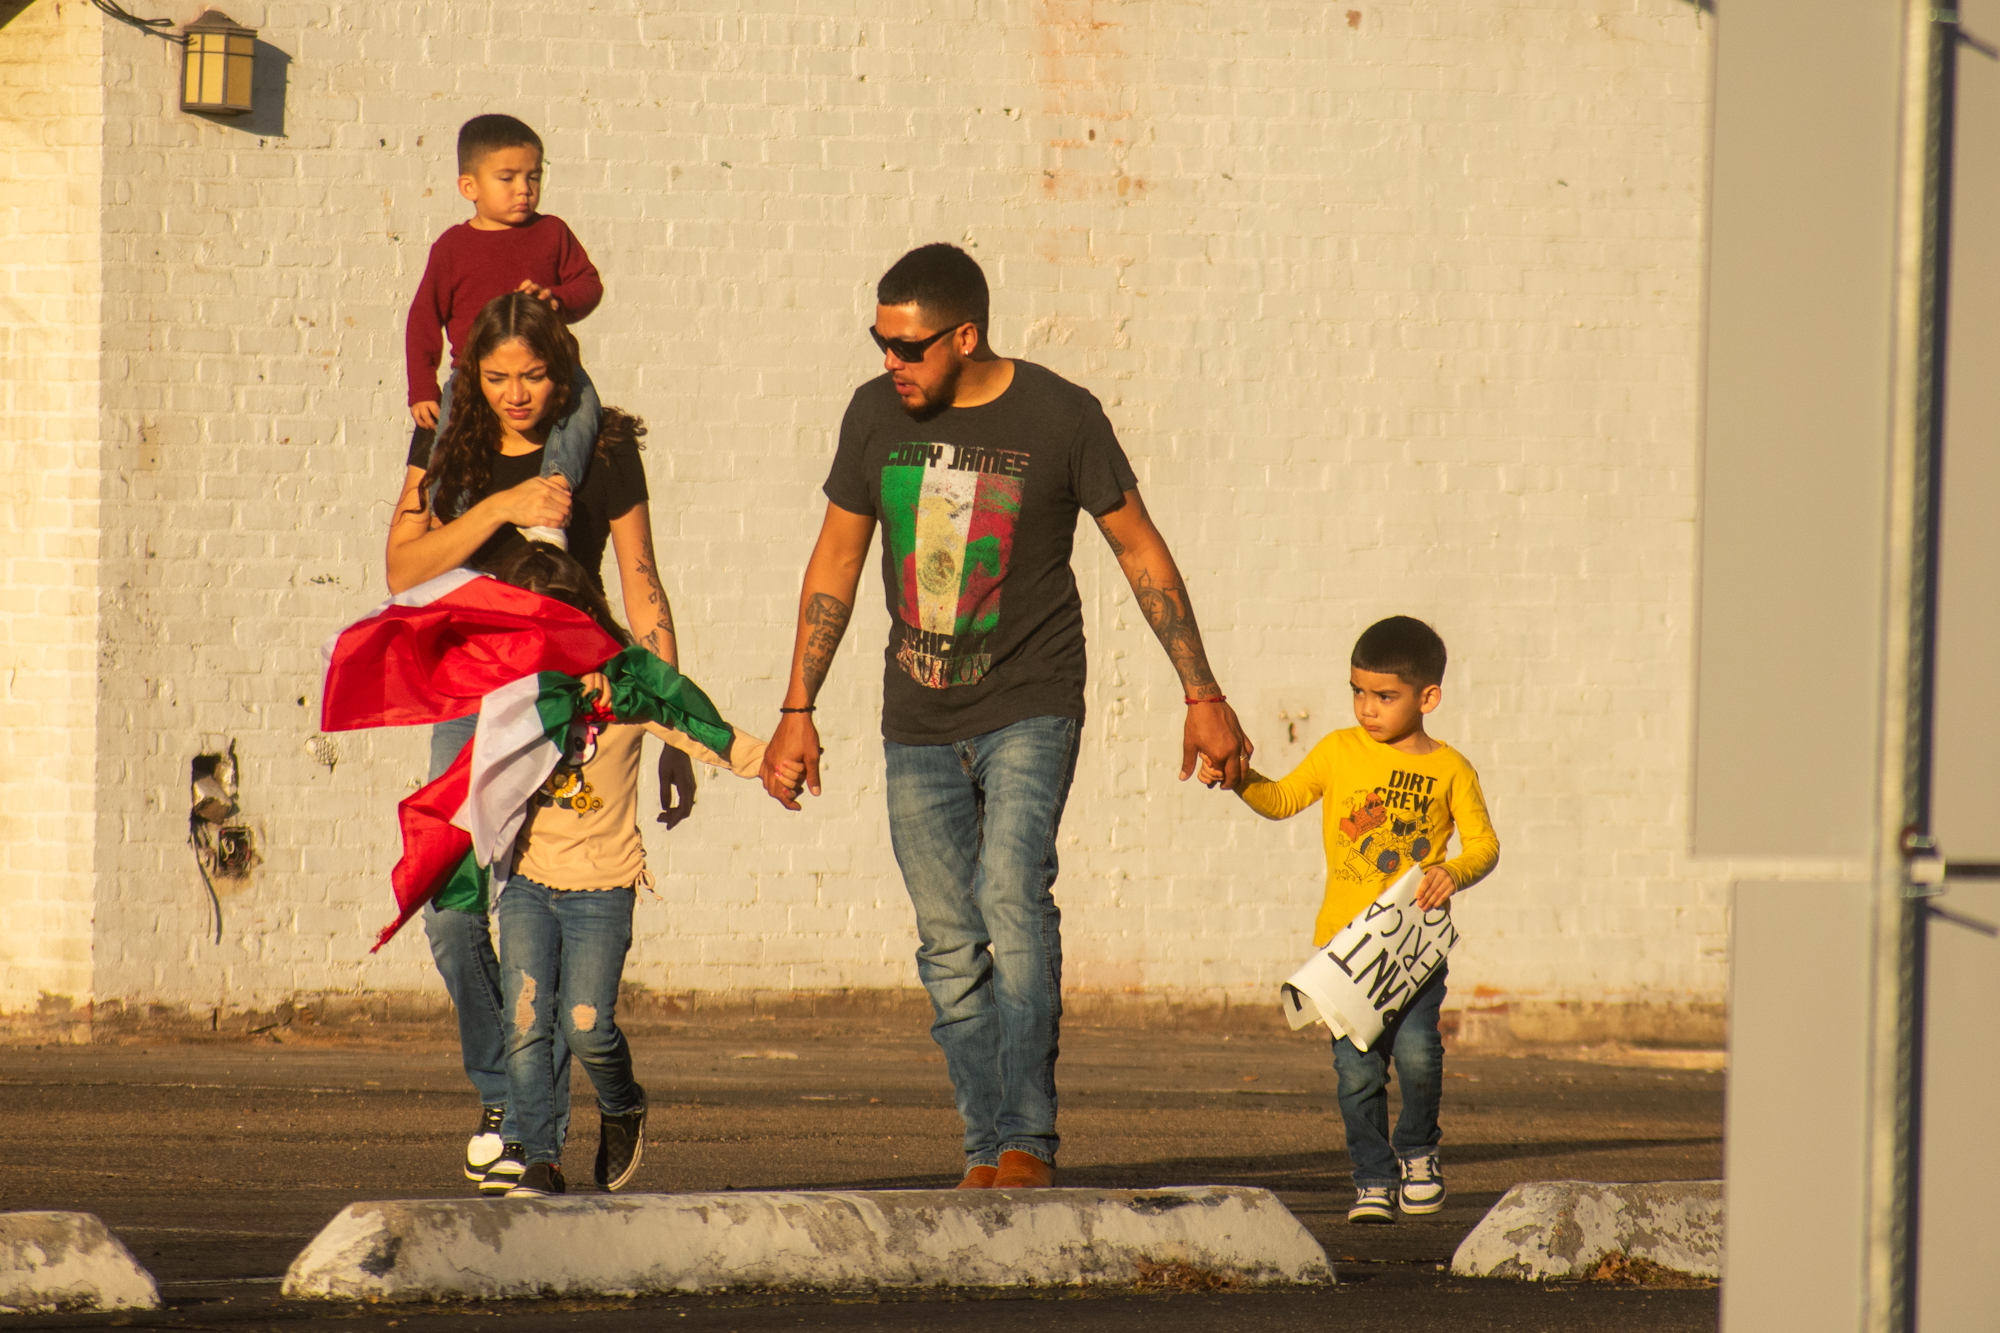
{"x":911,"y":350}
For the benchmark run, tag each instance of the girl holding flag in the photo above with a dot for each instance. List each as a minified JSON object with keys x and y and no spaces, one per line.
{"x":566,"y":910}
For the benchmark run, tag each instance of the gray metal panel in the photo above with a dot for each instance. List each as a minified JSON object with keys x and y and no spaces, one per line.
{"x":1966,"y":782}
{"x":1958,"y":1245}
{"x":1795,"y":426}
{"x":1794,"y":1131}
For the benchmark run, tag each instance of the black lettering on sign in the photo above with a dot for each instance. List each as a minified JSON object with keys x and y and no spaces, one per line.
{"x":1384,"y":989}
{"x":1346,"y":963}
{"x":1378,"y":910}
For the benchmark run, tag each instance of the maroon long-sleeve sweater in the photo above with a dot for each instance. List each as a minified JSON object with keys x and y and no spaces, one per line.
{"x":470,"y":266}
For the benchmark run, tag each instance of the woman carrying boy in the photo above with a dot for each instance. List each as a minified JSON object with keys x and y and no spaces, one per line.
{"x":464,"y":501}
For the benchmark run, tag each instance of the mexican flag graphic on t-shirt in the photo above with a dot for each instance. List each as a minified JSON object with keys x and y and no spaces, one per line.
{"x":948,"y":515}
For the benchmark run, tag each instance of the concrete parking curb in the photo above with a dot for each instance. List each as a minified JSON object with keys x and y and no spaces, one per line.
{"x":1563,"y":1228}
{"x":68,"y":1261}
{"x":626,"y":1244}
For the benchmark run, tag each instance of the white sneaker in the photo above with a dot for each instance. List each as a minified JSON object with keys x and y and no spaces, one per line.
{"x":483,"y":1149}
{"x":553,"y":536}
{"x":1423,"y":1185}
{"x":1373,"y":1203}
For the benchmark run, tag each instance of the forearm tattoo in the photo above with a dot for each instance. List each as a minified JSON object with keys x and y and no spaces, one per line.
{"x":1168,"y":611}
{"x":659,"y":640}
{"x":826,"y":619}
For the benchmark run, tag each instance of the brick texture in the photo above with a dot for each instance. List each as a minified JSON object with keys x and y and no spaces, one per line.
{"x":1395,"y":308}
{"x":51,"y":157}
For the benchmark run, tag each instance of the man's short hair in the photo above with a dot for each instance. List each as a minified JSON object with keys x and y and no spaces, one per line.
{"x":945,"y":283}
{"x":1403,"y":647}
{"x":489,"y":134}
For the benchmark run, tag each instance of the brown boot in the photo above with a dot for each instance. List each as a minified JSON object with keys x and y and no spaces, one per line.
{"x":978,"y":1178}
{"x":1023,"y":1171}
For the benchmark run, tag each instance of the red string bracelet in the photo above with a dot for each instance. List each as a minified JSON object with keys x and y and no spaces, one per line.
{"x":1218,"y":699}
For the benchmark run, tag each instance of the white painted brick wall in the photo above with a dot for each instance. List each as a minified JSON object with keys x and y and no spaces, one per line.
{"x":1395,"y":309}
{"x":50,"y":159}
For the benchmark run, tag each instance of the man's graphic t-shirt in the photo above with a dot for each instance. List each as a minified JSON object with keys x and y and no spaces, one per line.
{"x":1384,"y":811}
{"x":978,"y":507}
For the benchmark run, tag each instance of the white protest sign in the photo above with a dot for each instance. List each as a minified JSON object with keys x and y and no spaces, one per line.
{"x":1373,"y":966}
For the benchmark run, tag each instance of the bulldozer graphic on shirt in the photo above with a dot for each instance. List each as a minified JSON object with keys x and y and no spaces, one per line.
{"x":1376,"y":845}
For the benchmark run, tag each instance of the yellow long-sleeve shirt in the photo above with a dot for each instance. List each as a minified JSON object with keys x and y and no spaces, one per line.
{"x":1384,"y":810}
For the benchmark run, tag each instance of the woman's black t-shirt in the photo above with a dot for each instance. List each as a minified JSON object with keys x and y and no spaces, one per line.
{"x":612,"y":486}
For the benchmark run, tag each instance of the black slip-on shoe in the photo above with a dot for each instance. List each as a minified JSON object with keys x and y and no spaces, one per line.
{"x":541,"y":1178}
{"x":621,"y":1146}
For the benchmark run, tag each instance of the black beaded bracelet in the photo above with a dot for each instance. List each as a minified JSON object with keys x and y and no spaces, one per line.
{"x":807,"y":709}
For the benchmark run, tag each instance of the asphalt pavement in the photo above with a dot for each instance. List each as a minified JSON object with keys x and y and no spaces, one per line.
{"x":216,"y":1162}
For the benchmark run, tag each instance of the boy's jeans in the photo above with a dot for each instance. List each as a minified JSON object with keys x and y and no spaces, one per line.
{"x":572,"y":440}
{"x":565,"y":953}
{"x":974,"y":826}
{"x":1413,"y":1044}
{"x":462,"y":948}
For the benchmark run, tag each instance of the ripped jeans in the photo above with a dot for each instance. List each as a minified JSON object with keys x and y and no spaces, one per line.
{"x":462,"y":947}
{"x":561,"y":957}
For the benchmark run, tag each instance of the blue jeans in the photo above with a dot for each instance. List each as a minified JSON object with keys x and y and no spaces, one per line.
{"x":571,"y":441}
{"x":565,"y":954}
{"x":974,"y":827}
{"x":1413,"y":1045}
{"x":462,"y":948}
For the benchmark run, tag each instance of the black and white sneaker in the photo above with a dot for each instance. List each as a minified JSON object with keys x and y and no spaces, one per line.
{"x":483,"y":1149}
{"x":543,"y":1178}
{"x":621,"y":1145}
{"x":1374,"y":1204}
{"x":505,"y":1173}
{"x":1423,"y":1185}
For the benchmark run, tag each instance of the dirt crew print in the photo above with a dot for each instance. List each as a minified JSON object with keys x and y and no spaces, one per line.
{"x":1387,"y":829}
{"x":948,"y":518}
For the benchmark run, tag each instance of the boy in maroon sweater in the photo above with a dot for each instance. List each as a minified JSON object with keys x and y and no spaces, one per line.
{"x":506,"y":247}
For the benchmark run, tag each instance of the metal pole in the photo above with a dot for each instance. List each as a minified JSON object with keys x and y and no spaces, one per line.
{"x":1903,"y":843}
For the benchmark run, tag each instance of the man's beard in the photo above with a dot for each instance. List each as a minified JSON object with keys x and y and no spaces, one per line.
{"x":935,"y":400}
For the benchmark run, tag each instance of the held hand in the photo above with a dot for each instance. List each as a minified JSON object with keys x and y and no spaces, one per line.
{"x":1208,"y":775}
{"x":676,"y":787}
{"x":539,"y":292}
{"x":538,"y":502}
{"x":791,"y":761}
{"x":596,"y":688}
{"x":1213,"y":733}
{"x":1437,"y":888}
{"x":425,"y":415}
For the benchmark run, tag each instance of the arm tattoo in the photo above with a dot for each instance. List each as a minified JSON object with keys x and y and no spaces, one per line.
{"x":827,"y":615}
{"x":1168,"y":611}
{"x":660,"y":639}
{"x":1117,"y":547}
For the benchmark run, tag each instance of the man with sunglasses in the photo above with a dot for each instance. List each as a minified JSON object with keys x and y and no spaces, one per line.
{"x":976,"y":466}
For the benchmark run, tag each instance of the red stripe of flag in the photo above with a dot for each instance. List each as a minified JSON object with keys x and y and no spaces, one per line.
{"x":407,"y":665}
{"x":432,"y":845}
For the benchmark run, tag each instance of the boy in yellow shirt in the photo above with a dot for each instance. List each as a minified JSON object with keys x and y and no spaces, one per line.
{"x":1391,"y":797}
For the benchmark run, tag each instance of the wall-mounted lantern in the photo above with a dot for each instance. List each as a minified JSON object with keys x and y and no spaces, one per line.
{"x":221,"y":56}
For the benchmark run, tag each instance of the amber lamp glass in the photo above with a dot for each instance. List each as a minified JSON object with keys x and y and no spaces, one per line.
{"x":220,"y":58}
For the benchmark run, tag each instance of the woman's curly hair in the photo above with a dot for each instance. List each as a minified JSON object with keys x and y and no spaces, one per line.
{"x":461,"y":466}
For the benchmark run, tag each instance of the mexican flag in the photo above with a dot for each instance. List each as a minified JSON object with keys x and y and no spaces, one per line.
{"x":464,"y":640}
